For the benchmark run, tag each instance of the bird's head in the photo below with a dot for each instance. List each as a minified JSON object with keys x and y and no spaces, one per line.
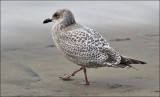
{"x":64,"y":16}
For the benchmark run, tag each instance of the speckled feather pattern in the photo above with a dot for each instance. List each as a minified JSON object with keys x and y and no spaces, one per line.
{"x":84,"y":46}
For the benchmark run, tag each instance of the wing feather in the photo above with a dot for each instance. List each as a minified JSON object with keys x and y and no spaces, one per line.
{"x":85,"y":46}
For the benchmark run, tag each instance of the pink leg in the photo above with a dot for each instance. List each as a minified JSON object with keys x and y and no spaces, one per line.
{"x":86,"y":79}
{"x":72,"y":74}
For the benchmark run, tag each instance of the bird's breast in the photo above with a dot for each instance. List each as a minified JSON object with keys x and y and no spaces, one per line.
{"x":56,"y":39}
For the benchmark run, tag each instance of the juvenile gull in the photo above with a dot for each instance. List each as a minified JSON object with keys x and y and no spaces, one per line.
{"x":84,"y":46}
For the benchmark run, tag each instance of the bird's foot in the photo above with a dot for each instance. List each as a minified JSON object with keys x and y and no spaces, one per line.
{"x":86,"y":83}
{"x":66,"y":77}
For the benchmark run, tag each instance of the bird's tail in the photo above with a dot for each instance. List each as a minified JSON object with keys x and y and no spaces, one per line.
{"x":126,"y":62}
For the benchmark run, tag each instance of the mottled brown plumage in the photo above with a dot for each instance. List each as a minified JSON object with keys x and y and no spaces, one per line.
{"x":84,"y":46}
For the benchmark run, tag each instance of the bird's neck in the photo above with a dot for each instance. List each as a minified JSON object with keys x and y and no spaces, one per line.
{"x":65,"y":23}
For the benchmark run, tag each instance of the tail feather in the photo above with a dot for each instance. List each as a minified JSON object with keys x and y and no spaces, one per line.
{"x":126,"y":62}
{"x":134,"y":61}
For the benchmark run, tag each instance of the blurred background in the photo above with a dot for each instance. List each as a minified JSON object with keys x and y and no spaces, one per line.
{"x":31,"y":64}
{"x":22,"y":20}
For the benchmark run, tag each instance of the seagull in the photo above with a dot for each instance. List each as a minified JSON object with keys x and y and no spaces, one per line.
{"x":84,"y":46}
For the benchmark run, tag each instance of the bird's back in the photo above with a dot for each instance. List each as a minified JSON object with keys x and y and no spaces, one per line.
{"x":86,"y":47}
{"x":83,"y":45}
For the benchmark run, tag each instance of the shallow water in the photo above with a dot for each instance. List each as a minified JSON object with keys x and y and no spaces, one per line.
{"x":31,"y":64}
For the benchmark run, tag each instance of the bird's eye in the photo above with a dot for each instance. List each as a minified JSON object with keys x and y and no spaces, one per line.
{"x":56,"y":15}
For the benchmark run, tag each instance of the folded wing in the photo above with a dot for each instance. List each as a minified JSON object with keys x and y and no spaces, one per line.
{"x":86,"y":47}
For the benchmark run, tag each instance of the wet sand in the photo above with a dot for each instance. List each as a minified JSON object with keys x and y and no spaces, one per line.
{"x":31,"y":64}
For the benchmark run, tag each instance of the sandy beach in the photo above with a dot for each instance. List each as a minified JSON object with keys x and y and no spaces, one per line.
{"x":31,"y":64}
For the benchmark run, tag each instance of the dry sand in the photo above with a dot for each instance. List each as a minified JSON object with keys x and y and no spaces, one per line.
{"x":31,"y":64}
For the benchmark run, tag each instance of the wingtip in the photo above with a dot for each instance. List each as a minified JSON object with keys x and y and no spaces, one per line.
{"x":143,"y":62}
